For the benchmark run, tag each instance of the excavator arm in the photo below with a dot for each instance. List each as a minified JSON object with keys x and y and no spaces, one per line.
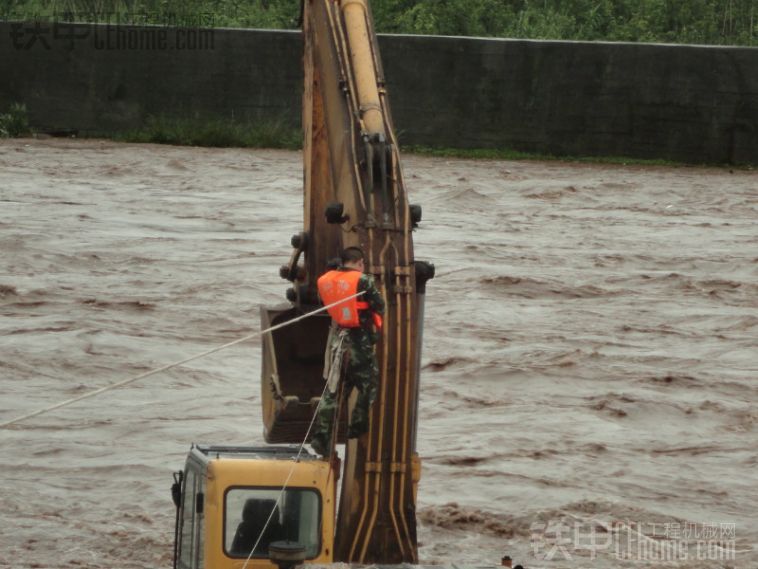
{"x":354,"y":196}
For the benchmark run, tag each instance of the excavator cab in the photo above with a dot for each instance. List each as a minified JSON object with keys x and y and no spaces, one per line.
{"x":230,"y":498}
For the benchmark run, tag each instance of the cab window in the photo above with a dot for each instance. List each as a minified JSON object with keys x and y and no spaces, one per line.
{"x":192,"y":537}
{"x":188,"y":519}
{"x":295,"y":518}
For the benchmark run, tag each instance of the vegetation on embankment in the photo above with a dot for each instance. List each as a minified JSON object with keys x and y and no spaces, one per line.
{"x":214,"y":132}
{"x":15,"y":122}
{"x":220,"y":133}
{"x":517,"y":155}
{"x":228,"y":134}
{"x":724,"y":22}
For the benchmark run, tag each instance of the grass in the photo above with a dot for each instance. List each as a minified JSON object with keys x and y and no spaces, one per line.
{"x":225,"y":133}
{"x":221,"y":133}
{"x":509,"y":154}
{"x":15,"y":122}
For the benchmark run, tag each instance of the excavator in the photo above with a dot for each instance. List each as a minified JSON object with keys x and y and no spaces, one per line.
{"x":277,"y":504}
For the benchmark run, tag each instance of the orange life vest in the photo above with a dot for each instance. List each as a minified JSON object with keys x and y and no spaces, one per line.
{"x":337,"y":285}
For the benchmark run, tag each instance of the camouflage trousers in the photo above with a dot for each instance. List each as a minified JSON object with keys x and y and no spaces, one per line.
{"x":362,"y":373}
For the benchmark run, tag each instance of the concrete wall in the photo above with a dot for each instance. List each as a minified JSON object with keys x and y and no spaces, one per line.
{"x":91,"y":80}
{"x":679,"y":102}
{"x":687,"y":103}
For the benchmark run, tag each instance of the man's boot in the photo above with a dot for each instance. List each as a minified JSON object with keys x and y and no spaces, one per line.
{"x":355,"y":430}
{"x":320,"y":445}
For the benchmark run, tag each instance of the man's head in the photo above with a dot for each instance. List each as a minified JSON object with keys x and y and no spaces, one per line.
{"x":352,"y":258}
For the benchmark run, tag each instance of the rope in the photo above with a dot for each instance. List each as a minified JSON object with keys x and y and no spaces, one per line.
{"x":167,"y":367}
{"x":289,"y":476}
{"x":333,"y":444}
{"x":337,"y":412}
{"x":335,"y":428}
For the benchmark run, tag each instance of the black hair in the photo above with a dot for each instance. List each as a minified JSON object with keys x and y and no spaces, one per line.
{"x":351,"y":255}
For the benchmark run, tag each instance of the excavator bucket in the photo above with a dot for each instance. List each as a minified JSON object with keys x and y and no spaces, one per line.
{"x":291,"y":376}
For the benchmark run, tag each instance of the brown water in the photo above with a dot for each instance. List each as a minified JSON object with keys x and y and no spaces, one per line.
{"x":590,"y":357}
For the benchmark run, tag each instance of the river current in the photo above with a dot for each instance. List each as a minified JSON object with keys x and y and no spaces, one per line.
{"x":590,"y":367}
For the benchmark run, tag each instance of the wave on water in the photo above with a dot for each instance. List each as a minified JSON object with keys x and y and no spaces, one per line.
{"x":7,"y":291}
{"x":553,"y":194}
{"x":525,"y":287}
{"x":442,"y":364}
{"x":138,"y":305}
{"x":455,"y":516}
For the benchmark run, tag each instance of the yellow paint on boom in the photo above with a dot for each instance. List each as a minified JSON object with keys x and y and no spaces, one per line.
{"x":361,"y":56}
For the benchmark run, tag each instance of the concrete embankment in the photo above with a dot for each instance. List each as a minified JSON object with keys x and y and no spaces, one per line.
{"x":687,"y":103}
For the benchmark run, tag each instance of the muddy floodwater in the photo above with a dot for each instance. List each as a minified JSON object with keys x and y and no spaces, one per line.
{"x":590,"y":368}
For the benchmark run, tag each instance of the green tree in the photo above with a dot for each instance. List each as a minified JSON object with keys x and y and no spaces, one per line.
{"x":684,"y":21}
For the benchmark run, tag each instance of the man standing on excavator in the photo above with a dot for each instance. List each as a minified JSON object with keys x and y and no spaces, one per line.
{"x":355,"y":330}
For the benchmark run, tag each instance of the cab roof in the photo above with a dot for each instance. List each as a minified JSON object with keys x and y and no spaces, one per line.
{"x":206,"y":453}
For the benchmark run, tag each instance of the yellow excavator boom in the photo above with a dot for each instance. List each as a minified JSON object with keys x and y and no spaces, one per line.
{"x":354,"y":196}
{"x":246,"y":507}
